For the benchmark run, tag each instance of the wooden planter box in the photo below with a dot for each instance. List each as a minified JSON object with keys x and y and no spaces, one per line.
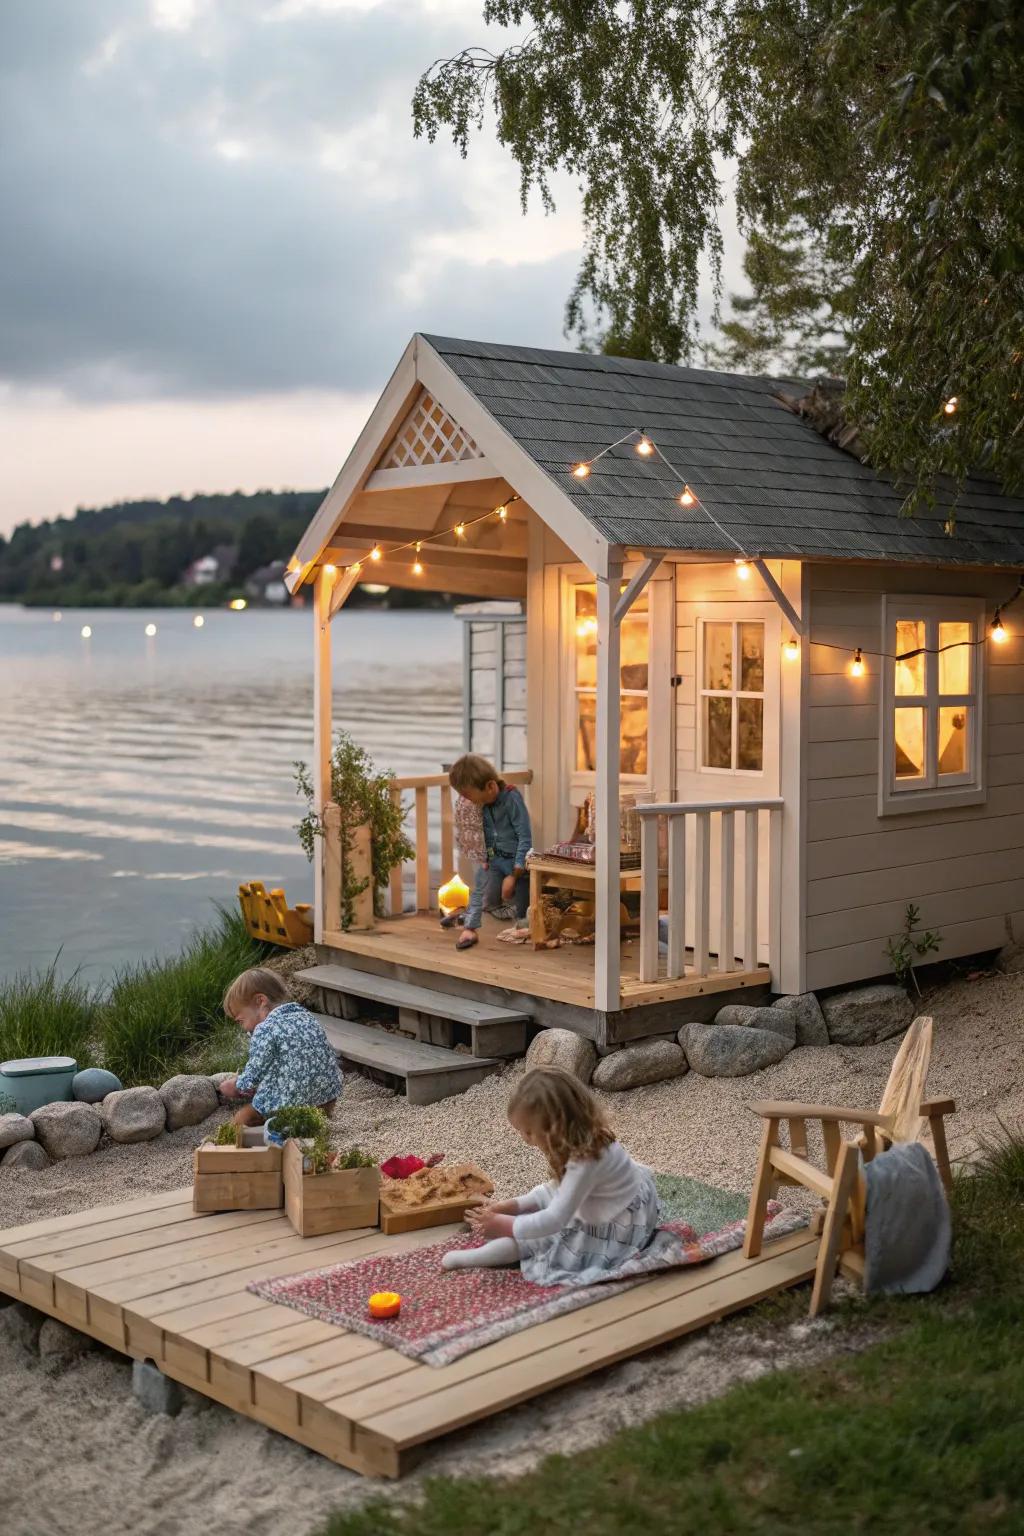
{"x":328,"y":1202}
{"x":246,"y":1178}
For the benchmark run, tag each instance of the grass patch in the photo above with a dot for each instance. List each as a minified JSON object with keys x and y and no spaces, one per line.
{"x":165,"y":1016}
{"x":41,"y":1015}
{"x":921,"y":1435}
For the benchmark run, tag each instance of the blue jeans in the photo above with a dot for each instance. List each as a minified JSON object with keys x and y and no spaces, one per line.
{"x":487,"y":890}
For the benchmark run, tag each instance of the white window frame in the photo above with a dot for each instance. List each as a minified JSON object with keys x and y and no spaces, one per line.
{"x":895,"y":797}
{"x":735,"y":693}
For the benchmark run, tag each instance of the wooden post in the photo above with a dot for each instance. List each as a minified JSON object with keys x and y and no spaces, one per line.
{"x":332,"y":862}
{"x":606,"y":792}
{"x":360,"y":861}
{"x":322,"y":589}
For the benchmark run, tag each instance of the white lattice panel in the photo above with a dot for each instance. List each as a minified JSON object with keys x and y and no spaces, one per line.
{"x":428,"y":436}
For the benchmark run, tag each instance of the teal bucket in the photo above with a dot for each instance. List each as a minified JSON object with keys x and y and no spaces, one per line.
{"x":37,"y":1080}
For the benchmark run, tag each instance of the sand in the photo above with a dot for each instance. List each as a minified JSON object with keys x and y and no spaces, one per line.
{"x":81,"y":1456}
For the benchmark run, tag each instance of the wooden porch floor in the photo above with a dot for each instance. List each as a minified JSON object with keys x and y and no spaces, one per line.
{"x":564,"y":975}
{"x":158,"y":1282}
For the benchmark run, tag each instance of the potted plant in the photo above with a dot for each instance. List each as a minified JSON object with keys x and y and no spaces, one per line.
{"x":303,"y":1123}
{"x":329,"y":1190}
{"x":236,"y":1170}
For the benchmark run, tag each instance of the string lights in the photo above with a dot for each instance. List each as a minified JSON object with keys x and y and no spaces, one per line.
{"x":857,"y":667}
{"x":418,"y":568}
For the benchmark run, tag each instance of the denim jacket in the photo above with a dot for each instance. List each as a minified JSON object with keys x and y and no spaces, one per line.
{"x":507,"y":830}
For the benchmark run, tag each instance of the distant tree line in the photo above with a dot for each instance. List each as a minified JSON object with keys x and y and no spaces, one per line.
{"x":135,"y":554}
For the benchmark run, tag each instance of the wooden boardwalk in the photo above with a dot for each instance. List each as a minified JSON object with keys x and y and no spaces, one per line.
{"x":158,"y":1282}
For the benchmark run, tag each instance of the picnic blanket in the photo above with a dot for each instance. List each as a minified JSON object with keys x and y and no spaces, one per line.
{"x":449,"y":1313}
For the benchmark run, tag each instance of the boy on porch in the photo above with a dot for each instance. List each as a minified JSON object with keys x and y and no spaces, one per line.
{"x":507,"y":836}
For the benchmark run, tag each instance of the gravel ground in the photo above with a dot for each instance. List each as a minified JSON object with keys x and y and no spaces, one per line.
{"x":210,"y":1468}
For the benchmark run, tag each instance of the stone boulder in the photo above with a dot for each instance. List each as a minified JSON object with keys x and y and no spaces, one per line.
{"x":216,"y":1078}
{"x":26,"y":1154}
{"x":648,"y":1061}
{"x":60,"y":1346}
{"x":562,"y":1048}
{"x":134,"y":1114}
{"x":758,"y":1018}
{"x":67,"y":1129}
{"x":807,"y":1015}
{"x":731,"y":1050}
{"x":866,"y":1014}
{"x":93,"y":1084}
{"x":15,"y":1128}
{"x":188,"y":1099}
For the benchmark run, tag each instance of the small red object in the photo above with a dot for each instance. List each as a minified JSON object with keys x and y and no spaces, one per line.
{"x":401,"y":1167}
{"x":385,"y":1304}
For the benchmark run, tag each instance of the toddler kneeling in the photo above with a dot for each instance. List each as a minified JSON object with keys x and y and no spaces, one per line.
{"x":290,"y":1058}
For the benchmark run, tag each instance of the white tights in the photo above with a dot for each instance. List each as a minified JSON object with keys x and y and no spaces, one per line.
{"x":500,"y":1250}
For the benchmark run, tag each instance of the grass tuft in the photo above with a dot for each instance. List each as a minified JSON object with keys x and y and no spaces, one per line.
{"x":42,"y":1015}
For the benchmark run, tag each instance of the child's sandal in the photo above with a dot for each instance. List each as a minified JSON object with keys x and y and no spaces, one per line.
{"x":466,"y":939}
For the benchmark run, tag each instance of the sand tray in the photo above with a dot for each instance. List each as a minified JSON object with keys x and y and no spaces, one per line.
{"x":447,"y":1194}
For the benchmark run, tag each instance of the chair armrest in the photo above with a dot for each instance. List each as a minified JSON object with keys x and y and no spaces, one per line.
{"x":784,"y":1109}
{"x":931,"y":1107}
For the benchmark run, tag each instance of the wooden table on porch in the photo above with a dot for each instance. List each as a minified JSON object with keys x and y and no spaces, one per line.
{"x":568,"y":875}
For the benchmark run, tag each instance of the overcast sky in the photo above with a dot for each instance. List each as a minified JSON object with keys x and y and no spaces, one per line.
{"x":217,"y":234}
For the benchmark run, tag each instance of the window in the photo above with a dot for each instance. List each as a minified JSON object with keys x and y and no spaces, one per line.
{"x":931,"y":702}
{"x":731,"y":696}
{"x":634,"y":664}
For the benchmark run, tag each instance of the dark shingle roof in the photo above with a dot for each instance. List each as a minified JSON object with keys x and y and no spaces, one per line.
{"x":769,"y":478}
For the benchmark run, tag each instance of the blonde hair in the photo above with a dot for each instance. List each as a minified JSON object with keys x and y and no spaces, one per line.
{"x":257,"y":981}
{"x":472,"y":772}
{"x":565,"y":1117}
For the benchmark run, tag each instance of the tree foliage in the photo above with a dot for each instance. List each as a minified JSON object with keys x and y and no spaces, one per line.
{"x":885,"y":138}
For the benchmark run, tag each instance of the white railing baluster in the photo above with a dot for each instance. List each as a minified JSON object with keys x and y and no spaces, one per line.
{"x":750,"y":852}
{"x":649,"y":899}
{"x":727,"y":893}
{"x":676,"y":895}
{"x":421,"y":838}
{"x":702,"y":894}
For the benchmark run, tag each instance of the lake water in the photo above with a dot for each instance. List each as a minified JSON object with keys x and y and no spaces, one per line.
{"x":142,"y":778}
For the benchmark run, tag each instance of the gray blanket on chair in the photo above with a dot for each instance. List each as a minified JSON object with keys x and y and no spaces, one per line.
{"x":906,"y":1221}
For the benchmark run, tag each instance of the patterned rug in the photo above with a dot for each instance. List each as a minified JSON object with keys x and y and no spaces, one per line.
{"x":448,"y":1313}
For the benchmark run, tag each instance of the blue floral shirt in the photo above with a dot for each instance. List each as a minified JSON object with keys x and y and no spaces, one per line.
{"x":290,"y":1061}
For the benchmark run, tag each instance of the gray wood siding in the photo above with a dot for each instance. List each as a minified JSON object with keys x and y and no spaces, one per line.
{"x":963,"y":866}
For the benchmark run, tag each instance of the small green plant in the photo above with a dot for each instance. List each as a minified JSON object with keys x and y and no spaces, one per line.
{"x":910,"y":946}
{"x":228,"y":1135}
{"x":43,"y":1015}
{"x":355,"y":1157}
{"x":364,"y":796}
{"x":301,"y":1122}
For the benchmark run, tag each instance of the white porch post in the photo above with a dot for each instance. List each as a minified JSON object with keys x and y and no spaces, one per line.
{"x":606,"y":790}
{"x":322,"y":591}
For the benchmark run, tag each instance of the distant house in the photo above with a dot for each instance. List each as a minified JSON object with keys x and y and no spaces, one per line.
{"x":210,"y":569}
{"x":802,"y":705}
{"x":267,"y":584}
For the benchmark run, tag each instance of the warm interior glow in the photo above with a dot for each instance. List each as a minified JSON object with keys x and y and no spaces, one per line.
{"x":633,"y":680}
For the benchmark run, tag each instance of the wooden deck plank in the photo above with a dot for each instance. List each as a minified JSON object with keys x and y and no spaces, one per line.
{"x":88,"y":1218}
{"x":75,"y":1237}
{"x":134,"y":1250}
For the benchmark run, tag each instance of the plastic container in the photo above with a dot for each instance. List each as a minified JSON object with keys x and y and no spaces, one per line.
{"x":37,"y":1080}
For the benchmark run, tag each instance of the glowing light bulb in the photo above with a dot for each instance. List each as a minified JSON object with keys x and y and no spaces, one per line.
{"x":686,"y":497}
{"x":238,"y":604}
{"x":998,"y":629}
{"x":151,"y":630}
{"x":330,"y":569}
{"x":645,"y":447}
{"x":857,"y":668}
{"x":951,"y":406}
{"x":375,"y":552}
{"x":354,"y":570}
{"x":742,"y":570}
{"x":791,"y":649}
{"x":86,"y":631}
{"x":460,"y":530}
{"x":198,"y":621}
{"x":581,"y":470}
{"x":417,"y":565}
{"x":502,"y":512}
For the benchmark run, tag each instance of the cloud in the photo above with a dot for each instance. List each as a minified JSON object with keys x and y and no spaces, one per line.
{"x":219,"y":197}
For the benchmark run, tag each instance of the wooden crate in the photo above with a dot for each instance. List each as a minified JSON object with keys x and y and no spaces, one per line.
{"x":394,"y":1219}
{"x":246,"y":1178}
{"x":328,"y":1202}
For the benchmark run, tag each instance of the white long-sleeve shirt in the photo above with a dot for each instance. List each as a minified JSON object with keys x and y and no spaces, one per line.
{"x":595,"y":1191}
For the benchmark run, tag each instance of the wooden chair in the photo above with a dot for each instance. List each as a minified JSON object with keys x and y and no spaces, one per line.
{"x":902,"y":1116}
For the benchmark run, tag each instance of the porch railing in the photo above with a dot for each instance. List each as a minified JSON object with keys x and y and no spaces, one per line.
{"x":428,"y":799}
{"x":714,"y":909}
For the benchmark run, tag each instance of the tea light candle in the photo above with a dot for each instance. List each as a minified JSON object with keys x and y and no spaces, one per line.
{"x":385,"y":1304}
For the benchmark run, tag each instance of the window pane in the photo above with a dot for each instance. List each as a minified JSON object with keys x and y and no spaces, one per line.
{"x":955,"y":665}
{"x":909,"y":743}
{"x":910,"y":634}
{"x":953,"y":729}
{"x":586,"y":732}
{"x":586,"y":637}
{"x":633,"y":754}
{"x":750,"y":734}
{"x":751,"y":644}
{"x":718,"y":656}
{"x":718,"y":730}
{"x":635,"y":644}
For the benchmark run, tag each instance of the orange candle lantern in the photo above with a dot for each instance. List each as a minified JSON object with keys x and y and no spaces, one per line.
{"x":385,"y":1304}
{"x":453,"y":896}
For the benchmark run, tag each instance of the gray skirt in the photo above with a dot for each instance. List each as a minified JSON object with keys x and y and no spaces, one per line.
{"x":582,"y":1254}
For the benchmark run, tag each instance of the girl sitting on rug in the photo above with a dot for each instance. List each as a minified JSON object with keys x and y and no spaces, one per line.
{"x":290,"y":1059}
{"x":600,"y":1209}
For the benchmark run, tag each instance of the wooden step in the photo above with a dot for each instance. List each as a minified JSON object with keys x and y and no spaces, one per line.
{"x":428,"y":1072}
{"x":434,"y":1018}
